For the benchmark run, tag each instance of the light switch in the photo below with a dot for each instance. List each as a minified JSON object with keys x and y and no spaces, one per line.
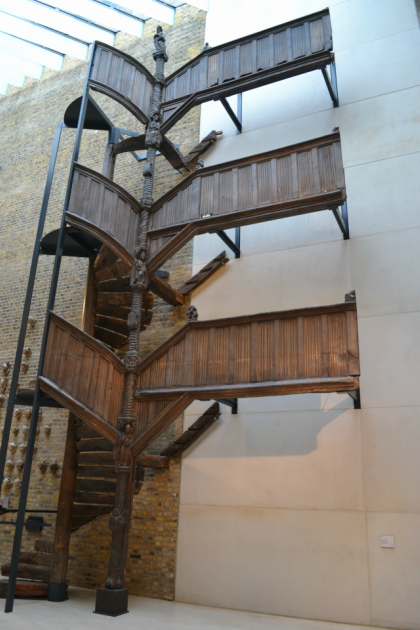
{"x":387,"y":542}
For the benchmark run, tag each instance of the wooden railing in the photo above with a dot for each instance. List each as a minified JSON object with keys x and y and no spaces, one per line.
{"x":302,"y":178}
{"x":300,"y":351}
{"x":84,"y":376}
{"x":103,"y":209}
{"x":249,"y":62}
{"x":123,"y":78}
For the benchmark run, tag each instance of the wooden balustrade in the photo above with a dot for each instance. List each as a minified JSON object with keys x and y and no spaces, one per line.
{"x":288,"y":352}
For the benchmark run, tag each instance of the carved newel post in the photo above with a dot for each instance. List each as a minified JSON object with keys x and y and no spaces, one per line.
{"x":113,"y":599}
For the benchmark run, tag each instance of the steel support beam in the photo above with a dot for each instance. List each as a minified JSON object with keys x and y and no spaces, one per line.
{"x":331,"y":83}
{"x":235,"y":247}
{"x":236,"y":121}
{"x":20,"y":520}
{"x":230,"y":402}
{"x":355,"y":394}
{"x":342,"y":220}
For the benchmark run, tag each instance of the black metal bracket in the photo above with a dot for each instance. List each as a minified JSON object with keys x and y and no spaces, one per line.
{"x":236,"y":119}
{"x":331,"y":83}
{"x":355,"y":394}
{"x":342,"y":219}
{"x":234,"y":246}
{"x":230,"y":402}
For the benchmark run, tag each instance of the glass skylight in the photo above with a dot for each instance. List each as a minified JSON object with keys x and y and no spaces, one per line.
{"x":153,"y":9}
{"x":3,"y":86}
{"x":42,"y":36}
{"x":101,"y":14}
{"x":26,"y":50}
{"x":66,"y":24}
{"x":12,"y":76}
{"x":29,"y":68}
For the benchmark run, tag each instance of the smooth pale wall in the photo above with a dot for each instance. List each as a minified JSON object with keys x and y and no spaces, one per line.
{"x":282,"y":505}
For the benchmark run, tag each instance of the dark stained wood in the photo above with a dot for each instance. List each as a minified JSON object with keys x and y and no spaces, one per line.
{"x":164,"y":290}
{"x":122,"y":78}
{"x":99,"y":472}
{"x":96,"y":459}
{"x":202,"y":146}
{"x":36,"y":557}
{"x":109,"y":337}
{"x":29,"y":571}
{"x":196,"y":430}
{"x":112,"y":271}
{"x":171,"y":153}
{"x":65,"y":503}
{"x":247,"y":63}
{"x":26,"y":589}
{"x":76,"y":367}
{"x":244,"y":356}
{"x":94,"y":444}
{"x":95,"y":485}
{"x":204,"y":274}
{"x":95,"y":498}
{"x":45,"y":546}
{"x":116,"y":285}
{"x":91,"y":511}
{"x":104,"y":259}
{"x":152,"y":461}
{"x":85,"y":431}
{"x":160,"y":422}
{"x":251,"y":190}
{"x":133,"y":143}
{"x":105,"y":210}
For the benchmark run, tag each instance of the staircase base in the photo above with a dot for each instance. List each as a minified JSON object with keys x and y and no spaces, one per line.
{"x":111,"y":602}
{"x":26,"y":589}
{"x":57,"y":592}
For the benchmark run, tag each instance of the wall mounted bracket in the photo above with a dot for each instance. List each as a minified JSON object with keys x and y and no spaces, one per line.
{"x":331,"y":83}
{"x":230,"y":402}
{"x":342,"y":219}
{"x":236,"y":119}
{"x":355,"y":394}
{"x":234,"y":246}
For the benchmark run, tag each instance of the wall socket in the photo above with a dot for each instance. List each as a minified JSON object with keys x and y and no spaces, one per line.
{"x":387,"y":542}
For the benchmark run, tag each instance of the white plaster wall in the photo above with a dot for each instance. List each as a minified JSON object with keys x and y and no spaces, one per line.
{"x":282,"y":505}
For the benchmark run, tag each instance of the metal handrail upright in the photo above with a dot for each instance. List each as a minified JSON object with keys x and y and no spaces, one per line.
{"x":27,"y":304}
{"x":36,"y":401}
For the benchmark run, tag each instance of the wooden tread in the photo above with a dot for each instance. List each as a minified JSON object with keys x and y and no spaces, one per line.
{"x":26,"y":589}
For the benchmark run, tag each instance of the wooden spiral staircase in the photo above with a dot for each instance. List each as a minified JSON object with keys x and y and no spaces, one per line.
{"x":300,"y":351}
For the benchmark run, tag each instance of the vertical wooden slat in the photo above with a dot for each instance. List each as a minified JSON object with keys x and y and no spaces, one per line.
{"x":300,"y":349}
{"x":352,"y":343}
{"x":231,"y":355}
{"x":210,"y":377}
{"x":325,"y":347}
{"x":276,"y":350}
{"x":254,"y":351}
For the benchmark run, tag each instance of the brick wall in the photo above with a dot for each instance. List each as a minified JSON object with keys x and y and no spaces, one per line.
{"x":28,"y":118}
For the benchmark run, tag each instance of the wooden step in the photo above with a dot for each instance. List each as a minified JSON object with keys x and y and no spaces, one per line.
{"x":91,"y":510}
{"x":95,"y":458}
{"x":78,"y":521}
{"x":94,"y":444}
{"x":86,"y":431}
{"x":36,"y":557}
{"x":29,"y":571}
{"x":95,"y":485}
{"x":96,"y":472}
{"x":95,"y":498}
{"x":26,"y":589}
{"x":46,"y":546}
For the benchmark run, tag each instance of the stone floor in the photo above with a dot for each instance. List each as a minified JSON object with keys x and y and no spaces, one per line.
{"x":146,"y":614}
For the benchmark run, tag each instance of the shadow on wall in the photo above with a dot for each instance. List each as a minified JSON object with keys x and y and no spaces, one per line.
{"x":270,"y":433}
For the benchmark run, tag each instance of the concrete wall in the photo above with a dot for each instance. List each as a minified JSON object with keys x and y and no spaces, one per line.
{"x":282,"y":505}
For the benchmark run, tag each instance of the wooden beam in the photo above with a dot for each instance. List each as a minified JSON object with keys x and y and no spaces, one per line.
{"x":204,"y":274}
{"x":164,"y":290}
{"x":152,"y":461}
{"x":196,"y":430}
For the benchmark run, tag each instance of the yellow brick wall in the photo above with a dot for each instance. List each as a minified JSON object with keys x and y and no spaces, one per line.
{"x":28,"y":118}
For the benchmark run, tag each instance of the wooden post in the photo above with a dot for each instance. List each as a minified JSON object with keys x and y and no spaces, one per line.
{"x":57,"y":588}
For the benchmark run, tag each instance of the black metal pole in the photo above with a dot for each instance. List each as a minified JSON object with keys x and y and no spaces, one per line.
{"x":36,"y":403}
{"x":238,"y":242}
{"x":239,"y":110}
{"x":27,"y":304}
